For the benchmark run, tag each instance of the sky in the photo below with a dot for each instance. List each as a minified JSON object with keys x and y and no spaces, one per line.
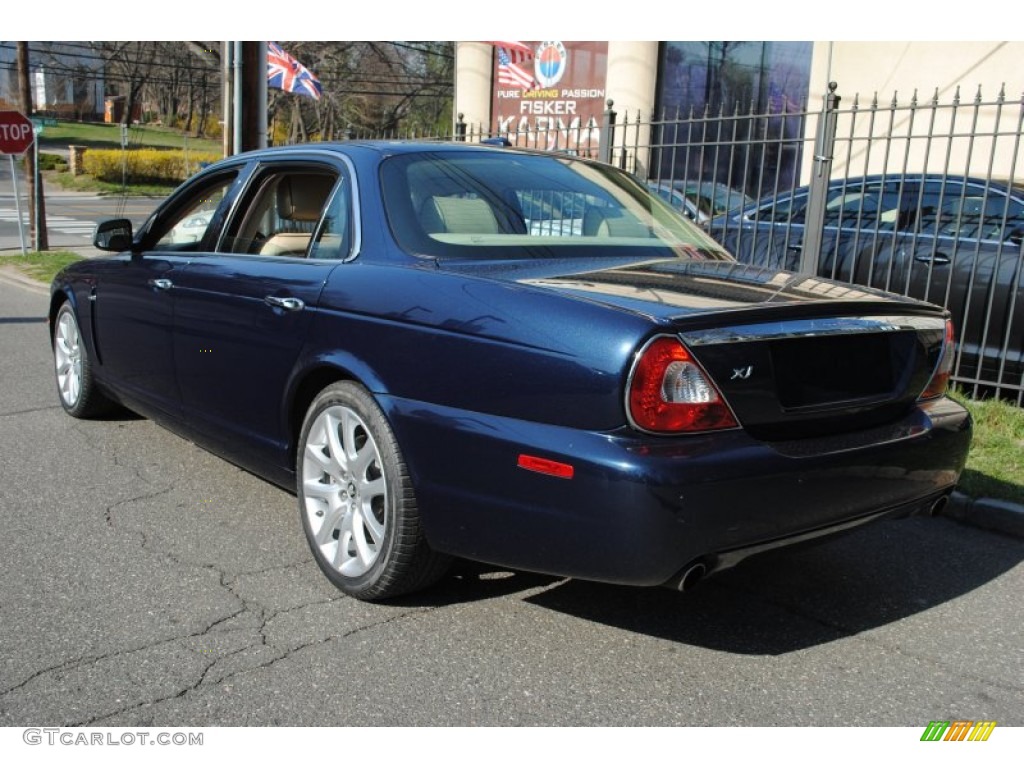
{"x":485,"y":19}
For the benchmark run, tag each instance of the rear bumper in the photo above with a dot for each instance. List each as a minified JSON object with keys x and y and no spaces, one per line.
{"x":638,"y":509}
{"x":719,"y":561}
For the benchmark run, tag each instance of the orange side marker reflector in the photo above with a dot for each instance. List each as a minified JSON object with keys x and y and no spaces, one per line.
{"x":546,"y":466}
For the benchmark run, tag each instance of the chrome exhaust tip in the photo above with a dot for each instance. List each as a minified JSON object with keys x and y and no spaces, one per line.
{"x":687,"y":578}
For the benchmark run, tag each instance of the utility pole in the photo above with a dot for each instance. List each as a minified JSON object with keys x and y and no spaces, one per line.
{"x":36,"y":201}
{"x":251,"y":96}
{"x":227,"y":91}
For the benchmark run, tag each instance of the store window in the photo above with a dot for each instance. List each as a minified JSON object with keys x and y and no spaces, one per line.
{"x":741,"y":106}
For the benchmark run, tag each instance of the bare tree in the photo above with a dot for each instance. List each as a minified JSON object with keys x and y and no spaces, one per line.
{"x":370,"y":88}
{"x":133,"y":64}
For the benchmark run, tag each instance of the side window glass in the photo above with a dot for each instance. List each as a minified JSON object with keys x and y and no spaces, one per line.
{"x":937,"y":213}
{"x":961,"y":217}
{"x":862,"y":207}
{"x":982,"y":217}
{"x":334,"y":238}
{"x":1014,"y":226}
{"x":792,"y":210}
{"x":897,"y":206}
{"x":279,"y":214}
{"x":703,"y":203}
{"x":968,"y":213}
{"x":186,"y":230}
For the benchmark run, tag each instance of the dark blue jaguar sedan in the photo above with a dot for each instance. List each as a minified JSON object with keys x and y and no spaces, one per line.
{"x":519,"y":358}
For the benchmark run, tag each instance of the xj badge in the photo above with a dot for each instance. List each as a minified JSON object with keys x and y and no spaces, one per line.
{"x":742,"y":373}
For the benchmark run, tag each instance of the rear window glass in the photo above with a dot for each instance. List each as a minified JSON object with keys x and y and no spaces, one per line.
{"x":510,"y":205}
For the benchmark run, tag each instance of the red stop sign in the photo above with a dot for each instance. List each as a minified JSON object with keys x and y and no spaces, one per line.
{"x":16,"y":134}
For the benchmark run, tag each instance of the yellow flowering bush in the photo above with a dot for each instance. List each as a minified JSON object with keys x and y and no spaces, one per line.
{"x":144,"y":165}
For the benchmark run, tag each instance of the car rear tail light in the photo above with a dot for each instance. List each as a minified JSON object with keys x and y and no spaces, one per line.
{"x":670,"y":392}
{"x":940,"y":378}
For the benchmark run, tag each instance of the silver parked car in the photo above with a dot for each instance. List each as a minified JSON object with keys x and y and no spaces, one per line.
{"x":700,"y":201}
{"x":950,"y":240}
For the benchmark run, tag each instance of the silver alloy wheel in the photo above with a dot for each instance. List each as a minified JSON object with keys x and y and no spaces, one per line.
{"x":344,"y":491}
{"x":67,"y":354}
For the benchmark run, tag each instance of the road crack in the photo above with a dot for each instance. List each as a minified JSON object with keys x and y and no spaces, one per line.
{"x":41,"y":409}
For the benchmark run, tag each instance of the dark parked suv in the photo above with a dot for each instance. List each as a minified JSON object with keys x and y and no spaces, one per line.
{"x":950,"y":240}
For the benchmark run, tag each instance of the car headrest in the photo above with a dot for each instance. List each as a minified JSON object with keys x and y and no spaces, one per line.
{"x":605,"y":222}
{"x":462,"y":215}
{"x":301,"y":198}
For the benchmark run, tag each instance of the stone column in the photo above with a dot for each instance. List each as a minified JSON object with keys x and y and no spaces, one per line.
{"x":473,"y":68}
{"x":75,"y":155}
{"x":632,"y":84}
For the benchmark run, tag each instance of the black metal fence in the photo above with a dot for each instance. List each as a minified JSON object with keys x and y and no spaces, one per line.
{"x":918,"y":197}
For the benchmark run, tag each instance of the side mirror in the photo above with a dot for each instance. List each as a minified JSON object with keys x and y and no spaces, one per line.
{"x":113,"y":235}
{"x":1017,"y":236}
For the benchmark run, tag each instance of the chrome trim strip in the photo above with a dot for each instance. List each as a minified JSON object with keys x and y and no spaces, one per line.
{"x":821,"y":326}
{"x":272,"y":160}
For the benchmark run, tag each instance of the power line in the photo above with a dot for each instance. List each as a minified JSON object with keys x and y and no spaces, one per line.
{"x":56,"y":66}
{"x":91,"y":53}
{"x":86,"y":66}
{"x":337,"y":82}
{"x":94,"y":55}
{"x":428,"y":51}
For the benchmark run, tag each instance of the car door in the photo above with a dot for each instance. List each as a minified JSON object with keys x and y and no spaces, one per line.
{"x":133,"y":305}
{"x":966,"y":256}
{"x":860,"y":226}
{"x":768,"y":235}
{"x":243,"y":310}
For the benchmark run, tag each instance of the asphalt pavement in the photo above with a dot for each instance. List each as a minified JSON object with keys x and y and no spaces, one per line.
{"x":145,"y":582}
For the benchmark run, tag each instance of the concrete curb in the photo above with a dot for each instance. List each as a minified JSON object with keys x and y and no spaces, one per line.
{"x":85,"y":251}
{"x":1004,"y":517}
{"x":12,"y":276}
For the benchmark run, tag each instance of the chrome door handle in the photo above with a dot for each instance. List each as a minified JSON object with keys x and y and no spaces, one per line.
{"x":290,"y":304}
{"x":161,"y":283}
{"x":940,"y":258}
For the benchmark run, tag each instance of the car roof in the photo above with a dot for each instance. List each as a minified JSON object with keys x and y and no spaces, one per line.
{"x":942,"y":177}
{"x":999,"y":185}
{"x":395,"y":147}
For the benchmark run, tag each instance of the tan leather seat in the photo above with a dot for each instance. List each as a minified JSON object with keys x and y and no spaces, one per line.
{"x":286,"y":244}
{"x":299,"y":199}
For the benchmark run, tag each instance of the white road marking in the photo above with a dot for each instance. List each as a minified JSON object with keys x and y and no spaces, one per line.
{"x":63,"y":224}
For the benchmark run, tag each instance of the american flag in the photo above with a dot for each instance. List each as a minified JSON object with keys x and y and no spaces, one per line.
{"x":289,"y":75}
{"x":512,"y":53}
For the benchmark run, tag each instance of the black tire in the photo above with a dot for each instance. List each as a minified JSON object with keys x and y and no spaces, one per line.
{"x":360,"y":515}
{"x":76,"y":386}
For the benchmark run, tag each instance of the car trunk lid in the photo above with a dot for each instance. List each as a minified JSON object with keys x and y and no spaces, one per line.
{"x":812,"y":376}
{"x":793,"y":355}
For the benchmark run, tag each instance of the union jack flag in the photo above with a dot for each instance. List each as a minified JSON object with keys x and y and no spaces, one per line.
{"x":512,"y":53}
{"x":289,"y":75}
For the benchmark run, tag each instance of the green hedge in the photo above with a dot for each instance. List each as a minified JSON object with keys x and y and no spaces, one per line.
{"x":144,"y":165}
{"x":51,"y":162}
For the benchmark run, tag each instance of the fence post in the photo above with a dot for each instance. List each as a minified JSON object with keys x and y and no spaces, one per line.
{"x":606,"y":140}
{"x":460,"y":128}
{"x":824,"y":146}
